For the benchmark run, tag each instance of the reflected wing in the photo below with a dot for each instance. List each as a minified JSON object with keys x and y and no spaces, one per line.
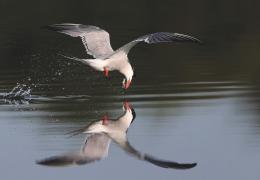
{"x":158,"y":38}
{"x":82,"y":130}
{"x":95,"y":39}
{"x":95,"y":148}
{"x":74,"y":158}
{"x":168,"y":164}
{"x":161,"y":163}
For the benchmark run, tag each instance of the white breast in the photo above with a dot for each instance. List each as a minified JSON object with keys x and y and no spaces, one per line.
{"x":117,"y":62}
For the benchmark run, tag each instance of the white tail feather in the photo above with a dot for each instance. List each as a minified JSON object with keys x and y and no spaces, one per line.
{"x":74,"y":58}
{"x":97,"y":64}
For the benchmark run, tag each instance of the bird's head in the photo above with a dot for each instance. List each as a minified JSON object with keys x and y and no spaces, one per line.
{"x":128,"y":73}
{"x":127,"y":80}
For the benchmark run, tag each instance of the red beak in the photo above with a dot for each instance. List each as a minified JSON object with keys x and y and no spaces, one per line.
{"x":127,"y":84}
{"x":106,"y":71}
{"x":127,"y":106}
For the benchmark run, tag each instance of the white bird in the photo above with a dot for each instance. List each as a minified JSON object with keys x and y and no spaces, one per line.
{"x":97,"y":44}
{"x":99,"y":136}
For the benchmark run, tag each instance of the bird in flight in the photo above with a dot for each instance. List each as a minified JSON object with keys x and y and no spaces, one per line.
{"x":97,"y":44}
{"x":99,"y":136}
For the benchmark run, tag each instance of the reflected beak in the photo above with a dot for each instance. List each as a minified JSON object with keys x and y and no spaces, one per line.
{"x":127,"y":106}
{"x":106,"y":72}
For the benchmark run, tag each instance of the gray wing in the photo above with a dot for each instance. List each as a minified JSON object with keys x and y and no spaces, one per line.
{"x":159,"y":37}
{"x":95,"y":39}
{"x":81,"y":130}
{"x":95,"y":148}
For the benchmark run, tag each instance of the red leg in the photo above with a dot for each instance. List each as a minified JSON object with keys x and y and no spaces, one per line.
{"x":106,"y":72}
{"x":105,"y":120}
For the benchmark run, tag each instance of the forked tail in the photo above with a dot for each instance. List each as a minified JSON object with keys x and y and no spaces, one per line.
{"x":74,"y":58}
{"x":97,"y":64}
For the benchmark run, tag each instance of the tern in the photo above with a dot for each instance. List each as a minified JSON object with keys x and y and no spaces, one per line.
{"x":96,"y":146}
{"x":97,"y":44}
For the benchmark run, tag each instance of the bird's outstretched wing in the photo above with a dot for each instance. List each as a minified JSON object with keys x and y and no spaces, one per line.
{"x":68,"y":159}
{"x":168,"y":164}
{"x":95,"y":39}
{"x":81,"y":130}
{"x":95,"y":148}
{"x":159,"y":37}
{"x":126,"y":146}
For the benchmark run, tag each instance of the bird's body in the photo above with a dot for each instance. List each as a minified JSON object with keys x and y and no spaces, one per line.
{"x":97,"y":44}
{"x":121,"y":124}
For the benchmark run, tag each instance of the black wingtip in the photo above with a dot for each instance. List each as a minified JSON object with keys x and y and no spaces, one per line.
{"x":54,"y":161}
{"x":189,"y":166}
{"x":194,"y":40}
{"x":180,"y":166}
{"x":186,"y":38}
{"x":169,"y":164}
{"x":41,"y":162}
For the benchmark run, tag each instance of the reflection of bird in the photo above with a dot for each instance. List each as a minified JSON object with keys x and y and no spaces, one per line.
{"x":97,"y":44}
{"x":97,"y":143}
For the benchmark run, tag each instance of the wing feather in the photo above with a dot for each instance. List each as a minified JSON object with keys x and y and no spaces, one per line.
{"x":148,"y":158}
{"x":95,"y":40}
{"x":159,"y":37}
{"x":95,"y":149}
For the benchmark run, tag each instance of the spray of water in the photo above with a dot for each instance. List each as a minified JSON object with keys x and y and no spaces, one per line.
{"x":19,"y":92}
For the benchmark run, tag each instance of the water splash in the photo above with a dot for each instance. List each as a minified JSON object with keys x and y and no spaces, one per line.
{"x":21,"y":93}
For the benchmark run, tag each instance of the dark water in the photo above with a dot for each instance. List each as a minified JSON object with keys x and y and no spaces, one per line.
{"x":193,"y":103}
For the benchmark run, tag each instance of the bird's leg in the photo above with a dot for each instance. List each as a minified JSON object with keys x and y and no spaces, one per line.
{"x":105,"y":120}
{"x":106,"y":71}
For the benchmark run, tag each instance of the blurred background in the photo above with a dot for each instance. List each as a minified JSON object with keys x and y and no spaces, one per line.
{"x":230,"y":31}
